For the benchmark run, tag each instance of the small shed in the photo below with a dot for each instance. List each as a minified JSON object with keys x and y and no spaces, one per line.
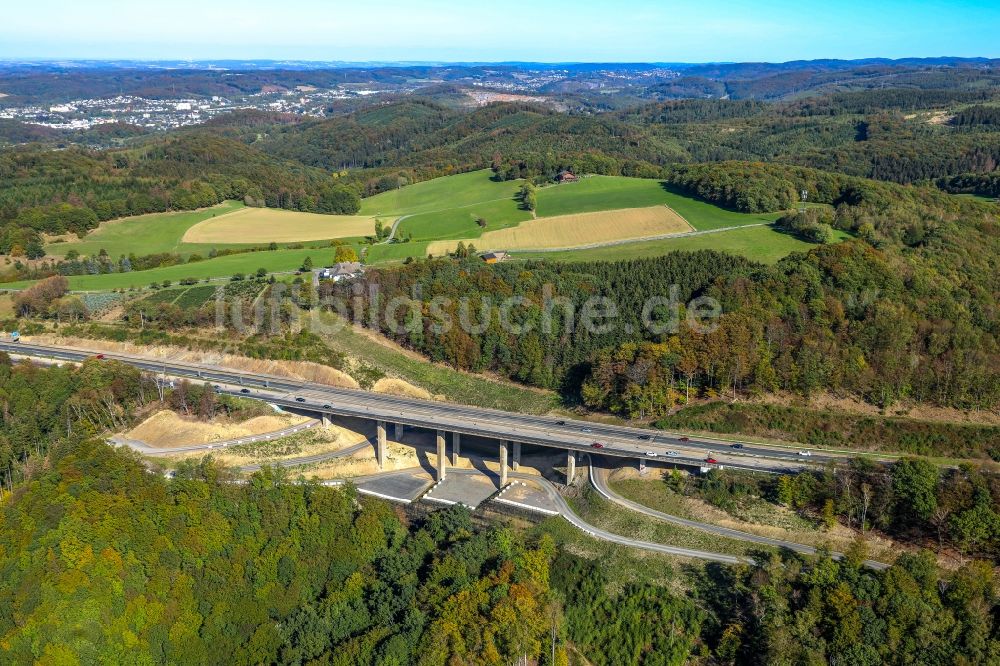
{"x":494,"y":257}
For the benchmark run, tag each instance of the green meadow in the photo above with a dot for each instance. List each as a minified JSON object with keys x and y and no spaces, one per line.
{"x":764,"y":244}
{"x":445,"y":208}
{"x":144,"y":234}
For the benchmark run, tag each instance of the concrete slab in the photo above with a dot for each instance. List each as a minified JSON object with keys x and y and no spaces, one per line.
{"x":463,"y":487}
{"x":524,"y":494}
{"x":397,"y":487}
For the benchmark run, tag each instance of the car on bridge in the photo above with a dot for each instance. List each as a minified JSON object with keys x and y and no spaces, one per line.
{"x":673,"y":454}
{"x":300,"y":400}
{"x":597,"y":445}
{"x":711,"y":461}
{"x":652,"y":454}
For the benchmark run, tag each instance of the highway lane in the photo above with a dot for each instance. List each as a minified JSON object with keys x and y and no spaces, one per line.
{"x":621,"y":441}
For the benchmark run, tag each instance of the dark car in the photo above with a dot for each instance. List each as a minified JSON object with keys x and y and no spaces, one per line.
{"x":300,"y":400}
{"x":685,"y":439}
{"x":244,"y":390}
{"x":597,"y":445}
{"x":560,"y":423}
{"x":327,"y":406}
{"x":645,"y":438}
{"x":736,"y":446}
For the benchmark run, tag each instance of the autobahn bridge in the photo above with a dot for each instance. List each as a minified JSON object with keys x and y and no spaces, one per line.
{"x":452,"y":422}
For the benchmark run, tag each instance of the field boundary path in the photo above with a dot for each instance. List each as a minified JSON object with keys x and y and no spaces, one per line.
{"x":395,"y":225}
{"x":598,"y":479}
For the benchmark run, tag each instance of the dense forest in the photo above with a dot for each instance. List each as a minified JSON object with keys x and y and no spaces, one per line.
{"x":899,"y":313}
{"x":103,"y":559}
{"x":912,"y":500}
{"x":128,"y":567}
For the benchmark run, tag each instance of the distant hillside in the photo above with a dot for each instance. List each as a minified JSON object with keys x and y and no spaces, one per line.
{"x":72,"y":190}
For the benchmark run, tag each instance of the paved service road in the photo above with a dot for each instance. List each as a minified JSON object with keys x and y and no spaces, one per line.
{"x":598,"y":478}
{"x":547,"y":431}
{"x":147,"y":450}
{"x":566,"y":512}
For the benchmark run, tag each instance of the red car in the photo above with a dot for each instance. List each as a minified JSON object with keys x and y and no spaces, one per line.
{"x":711,"y":461}
{"x":685,"y":439}
{"x":100,"y":357}
{"x":597,"y":445}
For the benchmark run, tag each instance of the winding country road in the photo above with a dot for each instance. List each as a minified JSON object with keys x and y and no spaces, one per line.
{"x":567,"y":512}
{"x":598,"y":479}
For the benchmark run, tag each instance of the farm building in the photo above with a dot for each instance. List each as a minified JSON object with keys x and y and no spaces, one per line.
{"x":494,"y":257}
{"x":566,"y":177}
{"x":342,"y":271}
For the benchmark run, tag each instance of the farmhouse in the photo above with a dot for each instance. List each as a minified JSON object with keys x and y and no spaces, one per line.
{"x":566,"y":177}
{"x":494,"y":257}
{"x":342,"y":271}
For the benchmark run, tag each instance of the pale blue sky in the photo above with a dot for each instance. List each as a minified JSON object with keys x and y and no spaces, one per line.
{"x":553,"y":30}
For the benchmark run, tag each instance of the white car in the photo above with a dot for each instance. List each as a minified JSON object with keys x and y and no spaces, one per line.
{"x":805,"y":453}
{"x":673,"y":454}
{"x":651,"y":454}
{"x":587,"y":430}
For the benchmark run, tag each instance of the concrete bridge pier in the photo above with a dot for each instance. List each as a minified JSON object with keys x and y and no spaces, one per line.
{"x":380,"y":444}
{"x":398,"y":432}
{"x":456,"y":447}
{"x":324,"y":420}
{"x":570,"y":466}
{"x":503,"y":462}
{"x":441,"y":455}
{"x":516,"y":462}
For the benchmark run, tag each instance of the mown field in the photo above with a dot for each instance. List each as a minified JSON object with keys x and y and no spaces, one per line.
{"x":267,"y":225}
{"x":760,"y":243}
{"x":509,"y":227}
{"x":436,"y":215}
{"x":576,"y":230}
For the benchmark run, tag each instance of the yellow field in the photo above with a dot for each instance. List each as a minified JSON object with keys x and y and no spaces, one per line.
{"x":6,"y":306}
{"x":266,"y":225}
{"x":582,"y":229}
